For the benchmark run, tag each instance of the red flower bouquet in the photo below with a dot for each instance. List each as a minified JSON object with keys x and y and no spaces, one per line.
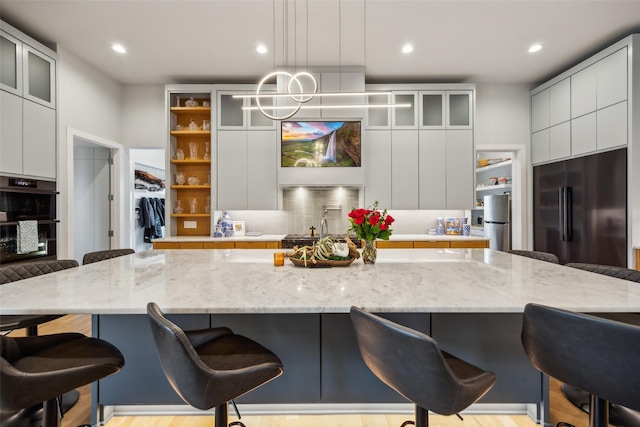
{"x":370,"y":224}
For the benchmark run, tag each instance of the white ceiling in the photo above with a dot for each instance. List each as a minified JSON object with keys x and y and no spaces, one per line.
{"x":187,"y":41}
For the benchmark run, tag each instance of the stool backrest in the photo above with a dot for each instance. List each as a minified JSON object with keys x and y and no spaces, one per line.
{"x":608,"y":270}
{"x":597,"y":355}
{"x":182,"y":366}
{"x":97,"y":256}
{"x":542,"y":256}
{"x":411,"y":363}
{"x":13,"y":272}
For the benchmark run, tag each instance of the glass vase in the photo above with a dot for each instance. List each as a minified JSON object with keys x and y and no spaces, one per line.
{"x":369,"y":252}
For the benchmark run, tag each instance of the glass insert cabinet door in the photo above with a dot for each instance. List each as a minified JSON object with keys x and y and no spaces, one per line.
{"x":446,"y":109}
{"x":10,"y":64}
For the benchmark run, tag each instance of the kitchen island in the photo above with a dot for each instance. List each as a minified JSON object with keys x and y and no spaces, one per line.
{"x":469,"y":300}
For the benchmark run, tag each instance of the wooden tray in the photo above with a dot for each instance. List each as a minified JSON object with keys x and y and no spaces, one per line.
{"x":322,"y":263}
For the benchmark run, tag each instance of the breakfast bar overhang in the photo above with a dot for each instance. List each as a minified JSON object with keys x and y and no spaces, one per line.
{"x":469,"y":300}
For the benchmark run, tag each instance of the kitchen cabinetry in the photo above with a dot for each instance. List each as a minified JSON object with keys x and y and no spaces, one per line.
{"x":584,"y":112}
{"x":446,"y":154}
{"x":404,"y":169}
{"x":392,"y":118}
{"x":28,"y":96}
{"x":377,"y":173}
{"x":446,"y":109}
{"x":430,"y":244}
{"x":218,"y":245}
{"x":247,"y":164}
{"x":231,"y":116}
{"x":190,"y":171}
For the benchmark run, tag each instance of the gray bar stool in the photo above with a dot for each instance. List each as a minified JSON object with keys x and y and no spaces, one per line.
{"x":597,"y":355}
{"x":542,"y":256}
{"x":210,"y":367}
{"x":412,"y":364}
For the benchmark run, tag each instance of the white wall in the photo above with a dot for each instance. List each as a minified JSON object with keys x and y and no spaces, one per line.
{"x":143,"y":116}
{"x":90,"y":102}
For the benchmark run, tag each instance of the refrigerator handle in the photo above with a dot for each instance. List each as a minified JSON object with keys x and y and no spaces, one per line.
{"x":561,"y":213}
{"x":568,"y":213}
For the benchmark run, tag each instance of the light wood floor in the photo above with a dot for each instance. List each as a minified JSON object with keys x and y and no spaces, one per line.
{"x":561,"y":409}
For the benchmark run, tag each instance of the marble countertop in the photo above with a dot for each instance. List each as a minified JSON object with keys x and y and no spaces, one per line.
{"x":279,"y":237}
{"x":245,"y":281}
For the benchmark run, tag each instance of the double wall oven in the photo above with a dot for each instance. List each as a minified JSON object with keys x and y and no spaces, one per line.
{"x":24,"y":199}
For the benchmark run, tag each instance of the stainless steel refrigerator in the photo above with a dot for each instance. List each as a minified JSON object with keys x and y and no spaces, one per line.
{"x":497,"y":221}
{"x":580,"y":209}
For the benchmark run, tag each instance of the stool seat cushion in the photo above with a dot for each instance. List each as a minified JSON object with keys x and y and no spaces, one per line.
{"x":36,"y":369}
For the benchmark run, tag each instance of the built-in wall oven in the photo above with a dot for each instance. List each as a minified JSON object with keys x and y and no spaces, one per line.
{"x":25,"y":203}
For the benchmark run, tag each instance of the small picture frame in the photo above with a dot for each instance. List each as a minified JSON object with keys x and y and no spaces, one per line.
{"x":238,"y":228}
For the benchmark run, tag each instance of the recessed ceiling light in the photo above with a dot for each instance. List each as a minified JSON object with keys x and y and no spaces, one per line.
{"x":407,"y":48}
{"x":118,"y":48}
{"x":261,"y":49}
{"x":534,"y":48}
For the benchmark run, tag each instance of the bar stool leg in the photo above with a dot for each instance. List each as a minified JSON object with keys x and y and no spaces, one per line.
{"x":50,"y":415}
{"x":599,"y":413}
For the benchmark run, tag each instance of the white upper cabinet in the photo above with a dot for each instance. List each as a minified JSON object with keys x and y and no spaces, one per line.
{"x":10,"y":64}
{"x":612,"y":79}
{"x":583,"y":92}
{"x":560,"y":102}
{"x":231,"y":116}
{"x":378,"y":118}
{"x":39,"y":77}
{"x":342,"y":82}
{"x":446,"y":109}
{"x":540,"y":111}
{"x":405,"y":117}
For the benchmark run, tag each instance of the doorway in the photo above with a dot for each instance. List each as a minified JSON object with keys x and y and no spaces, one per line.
{"x":92,"y":197}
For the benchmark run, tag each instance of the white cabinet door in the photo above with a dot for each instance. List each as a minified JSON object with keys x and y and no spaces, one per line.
{"x":432,"y":151}
{"x":432,"y":109}
{"x":583,"y":134}
{"x":10,"y":133}
{"x":378,"y":118}
{"x":39,"y":77}
{"x":612,"y":126}
{"x":377,"y":167}
{"x":560,"y":102}
{"x":583,"y":92}
{"x":459,"y":109}
{"x":39,"y":140}
{"x":612,"y":79}
{"x":540,"y":146}
{"x":560,"y":141}
{"x":302,"y":84}
{"x":230,"y":114}
{"x":232,"y":170}
{"x":262,"y":165}
{"x":540,"y":111}
{"x":10,"y":64}
{"x":405,"y":117}
{"x":460,"y":169}
{"x":343,"y":82}
{"x":404,"y":169}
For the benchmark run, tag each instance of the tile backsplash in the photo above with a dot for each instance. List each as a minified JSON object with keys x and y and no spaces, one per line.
{"x":303,"y":208}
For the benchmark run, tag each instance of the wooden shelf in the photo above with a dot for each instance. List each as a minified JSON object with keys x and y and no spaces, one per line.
{"x":190,"y":132}
{"x":189,"y":161}
{"x":494,"y":187}
{"x":185,"y":187}
{"x":494,"y":166}
{"x":185,"y":215}
{"x":190,"y":110}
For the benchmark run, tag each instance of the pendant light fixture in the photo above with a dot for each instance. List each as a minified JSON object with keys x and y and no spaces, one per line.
{"x":296,"y":86}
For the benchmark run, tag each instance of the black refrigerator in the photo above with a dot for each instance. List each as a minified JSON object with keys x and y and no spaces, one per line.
{"x":580,"y":209}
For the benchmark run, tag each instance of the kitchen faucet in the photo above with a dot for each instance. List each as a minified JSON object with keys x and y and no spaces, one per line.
{"x":324,"y":223}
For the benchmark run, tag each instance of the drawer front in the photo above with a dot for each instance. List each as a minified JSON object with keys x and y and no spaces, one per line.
{"x":190,"y":245}
{"x":166,"y":245}
{"x":218,"y":245}
{"x":395,"y":245}
{"x":251,"y":245}
{"x":434,"y":244}
{"x":471,"y":244}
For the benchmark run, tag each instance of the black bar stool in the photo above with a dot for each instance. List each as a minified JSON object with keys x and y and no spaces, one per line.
{"x":412,"y":364}
{"x":91,"y":257}
{"x":597,"y":355}
{"x":210,"y":367}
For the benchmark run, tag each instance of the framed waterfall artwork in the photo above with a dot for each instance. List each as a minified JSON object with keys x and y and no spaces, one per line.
{"x":319,"y":144}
